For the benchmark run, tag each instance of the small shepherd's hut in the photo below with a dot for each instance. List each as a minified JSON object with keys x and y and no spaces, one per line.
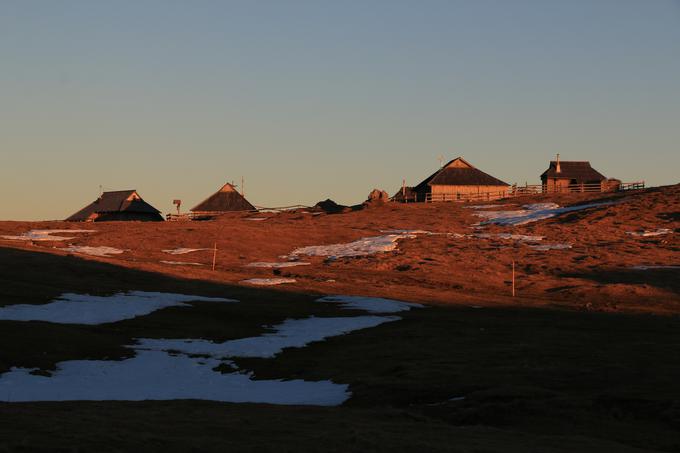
{"x":573,"y":176}
{"x":226,"y":199}
{"x":117,"y":205}
{"x":458,"y":180}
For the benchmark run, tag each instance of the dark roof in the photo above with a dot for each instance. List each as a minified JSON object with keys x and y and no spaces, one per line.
{"x":127,"y":201}
{"x":578,"y":170}
{"x":329,"y":206}
{"x":459,"y":172}
{"x":399,"y":195}
{"x":225,"y":199}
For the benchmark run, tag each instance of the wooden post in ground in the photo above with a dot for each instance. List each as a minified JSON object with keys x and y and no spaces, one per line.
{"x":214,"y":256}
{"x":513,"y":278}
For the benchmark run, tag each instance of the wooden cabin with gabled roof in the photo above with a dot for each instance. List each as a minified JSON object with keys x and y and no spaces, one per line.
{"x":227,"y":199}
{"x":459,"y":180}
{"x":573,"y":176}
{"x":117,"y":205}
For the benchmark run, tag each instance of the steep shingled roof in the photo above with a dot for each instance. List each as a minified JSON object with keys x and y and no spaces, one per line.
{"x":119,"y":201}
{"x":458,"y":172}
{"x":581,"y":171}
{"x":225,"y":199}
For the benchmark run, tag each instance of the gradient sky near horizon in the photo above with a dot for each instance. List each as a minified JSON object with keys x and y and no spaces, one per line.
{"x":315,"y":99}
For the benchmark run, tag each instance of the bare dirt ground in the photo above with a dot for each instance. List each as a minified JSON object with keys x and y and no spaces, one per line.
{"x":584,"y":358}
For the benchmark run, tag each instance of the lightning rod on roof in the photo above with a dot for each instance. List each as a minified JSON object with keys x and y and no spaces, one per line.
{"x":441,"y":161}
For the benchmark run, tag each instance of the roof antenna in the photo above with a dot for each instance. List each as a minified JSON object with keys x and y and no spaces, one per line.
{"x":441,"y":161}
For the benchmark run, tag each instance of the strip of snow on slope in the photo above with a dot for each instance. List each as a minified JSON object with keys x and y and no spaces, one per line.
{"x":45,"y":235}
{"x":533,"y":212}
{"x":370,"y":304}
{"x":278,"y":265}
{"x":648,"y":233}
{"x":362,"y":247}
{"x":268,"y":281}
{"x":182,"y":251}
{"x":292,"y":333}
{"x":92,"y":310}
{"x":102,"y":251}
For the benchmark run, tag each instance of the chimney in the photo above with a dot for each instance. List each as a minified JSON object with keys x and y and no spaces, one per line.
{"x":557,"y":165}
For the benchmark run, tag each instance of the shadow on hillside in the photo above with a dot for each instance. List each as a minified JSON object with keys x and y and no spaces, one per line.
{"x":668,"y":279}
{"x":526,"y":370}
{"x":34,"y":276}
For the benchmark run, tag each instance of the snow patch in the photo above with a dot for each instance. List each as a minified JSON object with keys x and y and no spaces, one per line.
{"x":370,"y":304}
{"x":182,"y":263}
{"x":156,"y":375}
{"x":646,"y":268}
{"x":87,"y":309}
{"x":182,"y":251}
{"x":509,"y":236}
{"x":487,"y":206}
{"x":361,"y":247}
{"x":278,"y":265}
{"x":533,"y":212}
{"x":546,"y":247}
{"x":292,"y":333}
{"x":46,"y":235}
{"x":648,"y":233}
{"x":407,"y":232}
{"x":93,"y":251}
{"x":268,"y":281}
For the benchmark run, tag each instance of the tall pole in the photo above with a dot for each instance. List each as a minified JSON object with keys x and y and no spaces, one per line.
{"x":214,"y":256}
{"x":513,"y":278}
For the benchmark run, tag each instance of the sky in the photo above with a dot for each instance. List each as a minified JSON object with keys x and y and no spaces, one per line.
{"x":309,"y":100}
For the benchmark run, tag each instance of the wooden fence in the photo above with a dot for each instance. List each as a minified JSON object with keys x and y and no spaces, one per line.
{"x":206,"y":215}
{"x":519,"y":191}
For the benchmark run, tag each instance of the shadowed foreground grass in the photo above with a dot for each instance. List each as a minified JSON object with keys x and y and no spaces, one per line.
{"x":445,"y":378}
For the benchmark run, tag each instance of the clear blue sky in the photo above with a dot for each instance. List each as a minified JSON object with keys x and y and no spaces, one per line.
{"x":316,"y":99}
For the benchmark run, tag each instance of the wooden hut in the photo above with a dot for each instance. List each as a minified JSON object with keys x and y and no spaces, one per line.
{"x":227,"y":199}
{"x":117,"y":205}
{"x":458,"y":180}
{"x":573,"y":176}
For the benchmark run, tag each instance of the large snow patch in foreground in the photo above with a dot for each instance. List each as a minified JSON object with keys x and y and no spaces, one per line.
{"x":87,"y":309}
{"x":157,"y":375}
{"x":168,"y":369}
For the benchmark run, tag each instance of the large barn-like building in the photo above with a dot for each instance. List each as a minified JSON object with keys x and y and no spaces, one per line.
{"x":226,"y":199}
{"x":570,"y":176}
{"x":117,"y":205}
{"x":458,"y":180}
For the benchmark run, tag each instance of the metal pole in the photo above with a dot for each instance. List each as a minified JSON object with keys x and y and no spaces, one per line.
{"x":214,"y":256}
